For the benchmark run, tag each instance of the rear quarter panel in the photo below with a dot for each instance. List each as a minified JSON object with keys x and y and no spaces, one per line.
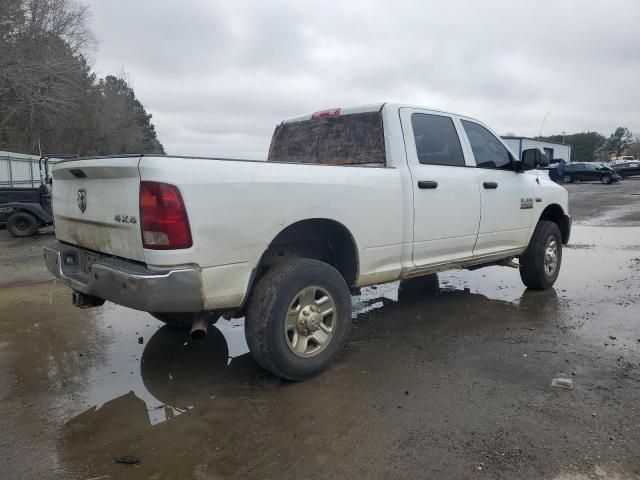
{"x":236,"y":208}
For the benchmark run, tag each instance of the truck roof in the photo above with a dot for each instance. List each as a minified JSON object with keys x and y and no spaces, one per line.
{"x":370,"y":107}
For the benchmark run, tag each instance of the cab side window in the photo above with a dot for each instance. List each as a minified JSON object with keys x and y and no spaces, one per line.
{"x":487,"y":149}
{"x":437,"y":141}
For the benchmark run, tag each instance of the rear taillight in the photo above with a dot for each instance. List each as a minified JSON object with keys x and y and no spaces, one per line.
{"x":163,"y":218}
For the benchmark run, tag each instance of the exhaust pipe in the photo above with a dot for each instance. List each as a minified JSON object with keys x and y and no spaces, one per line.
{"x":199,"y":326}
{"x":82,"y":300}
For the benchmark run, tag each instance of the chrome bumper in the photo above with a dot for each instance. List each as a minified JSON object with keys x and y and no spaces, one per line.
{"x":124,"y":282}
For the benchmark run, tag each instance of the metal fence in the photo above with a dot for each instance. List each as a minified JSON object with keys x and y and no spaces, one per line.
{"x":19,"y":170}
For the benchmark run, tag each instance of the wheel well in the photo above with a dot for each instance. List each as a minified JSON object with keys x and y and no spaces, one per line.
{"x":23,"y":210}
{"x":319,"y":239}
{"x":554,"y":213}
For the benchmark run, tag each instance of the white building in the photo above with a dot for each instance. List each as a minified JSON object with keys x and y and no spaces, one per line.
{"x":554,"y":150}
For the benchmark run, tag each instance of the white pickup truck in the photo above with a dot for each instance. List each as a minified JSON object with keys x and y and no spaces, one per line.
{"x":347,"y":198}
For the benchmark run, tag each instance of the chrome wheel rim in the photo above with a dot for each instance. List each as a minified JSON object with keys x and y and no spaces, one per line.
{"x":310,"y":321}
{"x":551,"y":257}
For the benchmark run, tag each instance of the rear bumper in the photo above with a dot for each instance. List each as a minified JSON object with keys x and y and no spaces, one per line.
{"x":125,"y":282}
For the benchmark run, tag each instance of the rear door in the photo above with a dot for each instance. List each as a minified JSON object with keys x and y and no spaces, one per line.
{"x":96,"y":205}
{"x":507,"y":196}
{"x":446,"y":199}
{"x":589,"y":172}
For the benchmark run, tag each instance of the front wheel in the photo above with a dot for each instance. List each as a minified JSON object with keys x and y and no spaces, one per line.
{"x":22,"y":224}
{"x":567,"y":179}
{"x":298,"y":318}
{"x":540,"y":263}
{"x":606,"y":179}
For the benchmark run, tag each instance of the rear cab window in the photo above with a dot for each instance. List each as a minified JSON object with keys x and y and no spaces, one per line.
{"x":351,"y":139}
{"x":437,"y":141}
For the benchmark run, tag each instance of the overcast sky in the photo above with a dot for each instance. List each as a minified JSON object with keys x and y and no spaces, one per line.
{"x":218,"y":76}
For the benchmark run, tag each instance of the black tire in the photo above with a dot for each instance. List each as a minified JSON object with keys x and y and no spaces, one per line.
{"x":533,"y":272}
{"x":22,"y":224}
{"x":267,"y":309}
{"x":567,"y":179}
{"x":606,"y":179}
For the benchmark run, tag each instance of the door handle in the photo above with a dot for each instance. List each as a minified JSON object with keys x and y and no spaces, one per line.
{"x":427,"y":184}
{"x":490,"y":185}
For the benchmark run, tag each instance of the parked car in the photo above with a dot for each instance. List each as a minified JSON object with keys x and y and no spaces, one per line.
{"x":627,"y":169}
{"x":580,"y":171}
{"x":25,"y":210}
{"x":347,"y":198}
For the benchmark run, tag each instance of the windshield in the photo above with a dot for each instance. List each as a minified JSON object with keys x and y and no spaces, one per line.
{"x":356,"y":138}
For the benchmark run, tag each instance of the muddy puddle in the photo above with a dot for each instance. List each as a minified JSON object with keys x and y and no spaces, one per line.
{"x":130,"y":351}
{"x":71,"y":368}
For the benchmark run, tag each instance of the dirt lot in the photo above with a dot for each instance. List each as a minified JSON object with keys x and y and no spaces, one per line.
{"x":450,"y":382}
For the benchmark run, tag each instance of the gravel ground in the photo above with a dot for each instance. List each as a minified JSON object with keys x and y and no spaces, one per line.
{"x":453,"y":381}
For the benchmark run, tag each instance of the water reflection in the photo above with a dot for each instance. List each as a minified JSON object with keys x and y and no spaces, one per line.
{"x":180,"y":373}
{"x":171,"y":374}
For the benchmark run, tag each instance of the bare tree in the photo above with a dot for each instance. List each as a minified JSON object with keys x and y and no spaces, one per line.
{"x":48,"y":94}
{"x":634,"y":148}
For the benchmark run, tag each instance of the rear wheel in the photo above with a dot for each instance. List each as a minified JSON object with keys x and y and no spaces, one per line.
{"x":567,"y":179}
{"x":22,"y":224}
{"x":606,"y":179}
{"x":298,"y":318}
{"x":540,"y":263}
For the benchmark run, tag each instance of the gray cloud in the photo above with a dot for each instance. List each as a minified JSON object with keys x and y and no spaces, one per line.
{"x":218,"y":76}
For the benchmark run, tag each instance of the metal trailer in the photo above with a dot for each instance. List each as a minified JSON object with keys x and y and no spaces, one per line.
{"x":19,"y":170}
{"x":25,"y":206}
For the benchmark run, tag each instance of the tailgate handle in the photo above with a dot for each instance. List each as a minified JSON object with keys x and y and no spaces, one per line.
{"x":490,"y":185}
{"x":427,"y":184}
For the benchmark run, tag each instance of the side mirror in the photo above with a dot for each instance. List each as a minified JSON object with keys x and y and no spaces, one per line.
{"x":533,"y":158}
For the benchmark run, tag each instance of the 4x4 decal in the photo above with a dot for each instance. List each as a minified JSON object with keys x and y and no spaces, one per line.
{"x":526,"y":203}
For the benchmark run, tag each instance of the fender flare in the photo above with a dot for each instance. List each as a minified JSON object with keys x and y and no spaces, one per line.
{"x":555,"y":213}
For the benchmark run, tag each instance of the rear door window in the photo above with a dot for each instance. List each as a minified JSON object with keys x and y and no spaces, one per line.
{"x":488,"y":151}
{"x":437,"y":141}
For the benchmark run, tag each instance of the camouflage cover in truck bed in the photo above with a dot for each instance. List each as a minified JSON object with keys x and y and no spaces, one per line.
{"x":356,"y":138}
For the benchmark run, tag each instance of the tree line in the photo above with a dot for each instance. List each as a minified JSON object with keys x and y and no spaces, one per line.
{"x":50,"y":100}
{"x":595,"y":147}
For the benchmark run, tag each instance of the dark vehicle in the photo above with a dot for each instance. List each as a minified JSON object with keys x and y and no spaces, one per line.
{"x":25,"y":210}
{"x":627,"y":169}
{"x":590,"y":171}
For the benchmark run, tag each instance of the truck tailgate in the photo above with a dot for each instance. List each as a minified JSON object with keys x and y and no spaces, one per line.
{"x":96,"y":205}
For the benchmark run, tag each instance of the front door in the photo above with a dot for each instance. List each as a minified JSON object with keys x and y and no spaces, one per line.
{"x":507,"y":197}
{"x":446,"y":198}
